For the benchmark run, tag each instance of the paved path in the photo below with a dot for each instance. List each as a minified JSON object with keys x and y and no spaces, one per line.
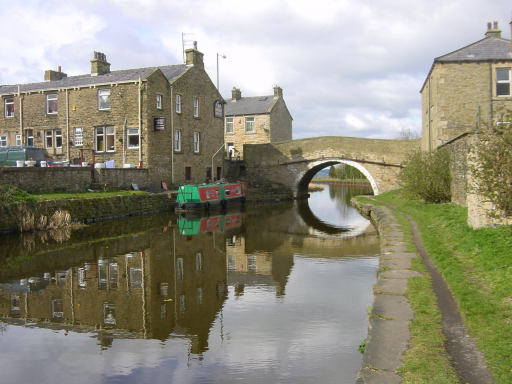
{"x":388,"y":333}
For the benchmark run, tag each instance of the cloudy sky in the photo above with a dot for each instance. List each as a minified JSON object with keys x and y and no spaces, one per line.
{"x":347,"y":68}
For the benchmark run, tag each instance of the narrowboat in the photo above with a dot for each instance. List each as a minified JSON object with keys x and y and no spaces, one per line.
{"x":207,"y":196}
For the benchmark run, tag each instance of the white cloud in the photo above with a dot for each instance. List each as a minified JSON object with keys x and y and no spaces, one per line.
{"x":333,"y":58}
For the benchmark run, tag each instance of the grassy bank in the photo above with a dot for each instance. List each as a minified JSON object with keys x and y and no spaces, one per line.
{"x":477,"y":265}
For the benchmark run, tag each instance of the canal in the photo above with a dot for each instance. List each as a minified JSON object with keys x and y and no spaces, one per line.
{"x":275,"y":293}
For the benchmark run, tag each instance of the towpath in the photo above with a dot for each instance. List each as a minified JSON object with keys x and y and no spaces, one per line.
{"x":388,"y":333}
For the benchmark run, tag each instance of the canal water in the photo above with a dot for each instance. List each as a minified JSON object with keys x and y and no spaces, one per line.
{"x":272,"y":294}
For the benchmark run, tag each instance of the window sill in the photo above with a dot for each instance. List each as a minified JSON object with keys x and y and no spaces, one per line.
{"x":103,"y":110}
{"x":132,"y":147}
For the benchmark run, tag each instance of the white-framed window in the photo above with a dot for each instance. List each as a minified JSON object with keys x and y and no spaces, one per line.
{"x":3,"y":141}
{"x":197,"y":144}
{"x":249,"y":124}
{"x":132,"y":137}
{"x":30,"y":137}
{"x":503,"y":81}
{"x":79,"y":136}
{"x":48,"y":139}
{"x":177,"y":140}
{"x":196,"y":107}
{"x":18,"y":140}
{"x":51,"y":104}
{"x":58,"y":138}
{"x":104,"y":139}
{"x":158,"y":101}
{"x":9,"y":107}
{"x":178,"y":103}
{"x":229,"y":125}
{"x":104,"y":99}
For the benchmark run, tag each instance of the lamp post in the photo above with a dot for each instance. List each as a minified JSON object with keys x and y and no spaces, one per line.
{"x":223,"y":56}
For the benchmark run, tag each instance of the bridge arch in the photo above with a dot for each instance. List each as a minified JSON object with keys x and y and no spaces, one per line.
{"x":304,"y":178}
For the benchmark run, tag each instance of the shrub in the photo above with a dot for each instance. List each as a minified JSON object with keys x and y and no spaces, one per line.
{"x":12,"y":194}
{"x":492,"y":164}
{"x":427,"y":176}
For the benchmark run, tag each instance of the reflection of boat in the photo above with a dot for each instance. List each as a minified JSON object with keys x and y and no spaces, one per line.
{"x":206,"y":196}
{"x":220,"y":223}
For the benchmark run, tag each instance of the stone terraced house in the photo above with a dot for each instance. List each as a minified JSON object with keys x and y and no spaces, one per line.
{"x":467,"y":88}
{"x":167,"y":119}
{"x":255,"y":120}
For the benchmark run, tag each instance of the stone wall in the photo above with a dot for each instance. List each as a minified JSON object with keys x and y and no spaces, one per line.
{"x":86,"y":210}
{"x":73,"y":179}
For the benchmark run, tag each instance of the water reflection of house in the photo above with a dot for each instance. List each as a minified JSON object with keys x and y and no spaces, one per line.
{"x":255,"y":268}
{"x":174,"y":286}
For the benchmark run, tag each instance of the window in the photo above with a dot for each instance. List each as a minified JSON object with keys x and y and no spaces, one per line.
{"x":58,"y":138}
{"x":178,"y":103}
{"x":188,"y":173}
{"x":132,"y":137}
{"x":229,"y":125}
{"x":3,"y":141}
{"x":9,"y":107}
{"x":249,"y":124}
{"x":79,"y":137}
{"x":177,"y":140}
{"x":105,"y":139}
{"x":503,"y":80}
{"x":48,"y":139}
{"x":51,"y":103}
{"x":109,"y":314}
{"x":197,"y":137}
{"x":18,"y":140}
{"x":159,"y":123}
{"x":199,"y":262}
{"x":179,"y":268}
{"x":30,"y":138}
{"x":196,"y":107}
{"x":136,"y":277}
{"x":57,"y":308}
{"x":103,"y":99}
{"x":158,"y":101}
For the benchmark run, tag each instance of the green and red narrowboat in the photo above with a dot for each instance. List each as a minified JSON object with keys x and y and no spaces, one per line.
{"x":207,"y":196}
{"x":219,"y":223}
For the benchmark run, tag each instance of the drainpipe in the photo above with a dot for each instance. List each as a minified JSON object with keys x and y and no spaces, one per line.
{"x":21,"y":113}
{"x":124,"y":144}
{"x":491,"y":113}
{"x":140,"y":122}
{"x":429,"y":117}
{"x":172,"y":138}
{"x":67,"y":125}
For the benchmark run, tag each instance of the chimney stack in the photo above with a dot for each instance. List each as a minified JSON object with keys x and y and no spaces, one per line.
{"x":99,"y":64}
{"x":278,"y":92}
{"x":51,"y":75}
{"x":236,"y":94}
{"x":493,"y":30}
{"x":194,"y":57}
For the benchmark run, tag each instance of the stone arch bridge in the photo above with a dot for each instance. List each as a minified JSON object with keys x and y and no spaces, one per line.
{"x":294,"y":163}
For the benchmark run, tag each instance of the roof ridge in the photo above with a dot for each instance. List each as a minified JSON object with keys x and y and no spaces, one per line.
{"x":487,"y":38}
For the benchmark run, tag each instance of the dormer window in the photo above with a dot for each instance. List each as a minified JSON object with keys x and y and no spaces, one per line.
{"x":104,"y":99}
{"x":503,"y":80}
{"x":51,"y":103}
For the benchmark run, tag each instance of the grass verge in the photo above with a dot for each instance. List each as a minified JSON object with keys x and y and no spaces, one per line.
{"x":426,"y":360}
{"x":477,"y":265}
{"x":83,"y":195}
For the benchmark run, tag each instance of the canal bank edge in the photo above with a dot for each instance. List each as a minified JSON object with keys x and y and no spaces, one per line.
{"x":88,"y":210}
{"x":388,"y":329}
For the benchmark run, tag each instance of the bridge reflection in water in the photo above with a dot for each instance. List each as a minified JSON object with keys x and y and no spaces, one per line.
{"x":170,"y":279}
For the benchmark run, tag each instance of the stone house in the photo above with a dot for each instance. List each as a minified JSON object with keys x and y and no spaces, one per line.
{"x":255,"y":120}
{"x":159,"y":118}
{"x":466,"y":89}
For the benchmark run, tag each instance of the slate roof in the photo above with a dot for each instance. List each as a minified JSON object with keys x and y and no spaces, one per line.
{"x":256,"y":105}
{"x":127,"y":75}
{"x":489,"y":48}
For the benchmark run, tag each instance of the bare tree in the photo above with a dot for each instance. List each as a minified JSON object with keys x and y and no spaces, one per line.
{"x":408,"y":134}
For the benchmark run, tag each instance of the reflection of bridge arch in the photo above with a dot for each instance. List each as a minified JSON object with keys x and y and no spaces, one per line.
{"x":314,"y":222}
{"x":304,"y":178}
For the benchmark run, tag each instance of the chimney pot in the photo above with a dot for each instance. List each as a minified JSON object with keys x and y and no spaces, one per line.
{"x":493,"y":30}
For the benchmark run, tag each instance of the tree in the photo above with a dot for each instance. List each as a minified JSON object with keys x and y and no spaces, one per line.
{"x":408,"y":134}
{"x":491,"y":163}
{"x":332,"y":172}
